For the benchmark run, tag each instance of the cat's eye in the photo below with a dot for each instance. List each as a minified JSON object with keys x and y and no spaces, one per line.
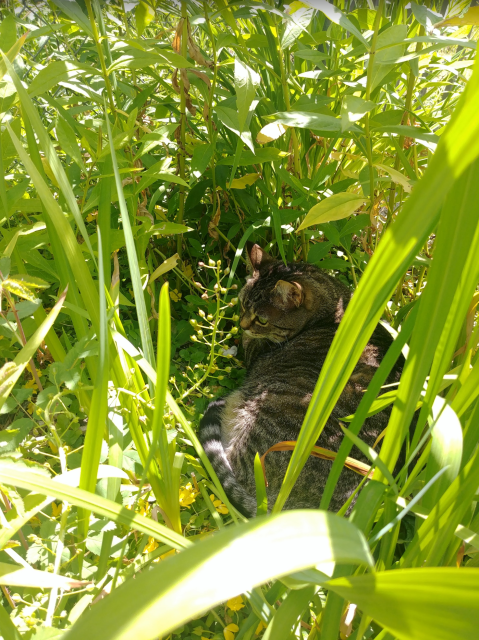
{"x":262,"y":320}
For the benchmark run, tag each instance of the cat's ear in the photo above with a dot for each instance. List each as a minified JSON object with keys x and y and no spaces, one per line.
{"x":258,"y":258}
{"x":288,"y":294}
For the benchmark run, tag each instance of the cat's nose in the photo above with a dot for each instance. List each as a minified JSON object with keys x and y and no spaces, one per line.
{"x":245,"y":323}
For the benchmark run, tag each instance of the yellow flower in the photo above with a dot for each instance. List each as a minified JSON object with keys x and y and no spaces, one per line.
{"x":56,"y":509}
{"x":175,"y":295}
{"x":219,"y":506}
{"x":187,"y":495}
{"x":31,"y":384}
{"x":144,"y":507}
{"x":260,"y":627}
{"x":169,"y":553}
{"x":91,"y":216}
{"x":230,"y":630}
{"x":31,"y":408}
{"x":187,"y":270}
{"x":235,"y":604}
{"x":151,"y":546}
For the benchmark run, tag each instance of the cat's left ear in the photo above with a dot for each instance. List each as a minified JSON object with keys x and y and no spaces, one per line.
{"x":258,"y":258}
{"x":288,"y":295}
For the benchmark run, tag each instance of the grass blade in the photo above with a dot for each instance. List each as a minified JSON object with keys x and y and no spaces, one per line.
{"x":11,"y":371}
{"x":398,"y":247}
{"x":148,"y":606}
{"x":418,"y":604}
{"x":95,"y":503}
{"x":97,"y":420}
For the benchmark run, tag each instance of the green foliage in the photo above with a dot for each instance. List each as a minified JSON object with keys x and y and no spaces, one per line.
{"x":140,"y":148}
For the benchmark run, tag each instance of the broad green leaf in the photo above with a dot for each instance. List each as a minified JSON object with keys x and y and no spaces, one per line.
{"x":471,"y":17}
{"x":425,"y":16}
{"x":267,"y":154}
{"x":13,"y":575}
{"x":229,"y":117}
{"x":68,"y":141}
{"x":7,"y":95}
{"x":253,"y":553}
{"x":410,"y":132}
{"x":244,"y":181}
{"x":8,"y":31}
{"x":74,"y":12}
{"x":390,"y":47}
{"x":7,"y":628}
{"x":311,"y":102}
{"x":171,"y":177}
{"x":312,"y":56}
{"x":37,"y":483}
{"x":137,"y":59}
{"x":271,"y":132}
{"x":336,"y":207}
{"x":149,"y":177}
{"x":168,"y":228}
{"x":336,"y":16}
{"x":295,"y":26}
{"x":287,"y":616}
{"x":396,"y":176}
{"x":446,"y":450}
{"x":12,"y":54}
{"x":435,"y":534}
{"x":417,"y":604}
{"x":144,"y":14}
{"x":202,"y":154}
{"x":353,"y":109}
{"x":246,"y":81}
{"x":167,"y":265}
{"x":58,"y":71}
{"x":308,"y":120}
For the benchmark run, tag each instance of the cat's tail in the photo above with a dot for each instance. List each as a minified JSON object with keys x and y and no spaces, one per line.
{"x":210,"y":437}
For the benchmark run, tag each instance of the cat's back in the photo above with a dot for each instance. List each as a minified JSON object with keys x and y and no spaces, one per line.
{"x":294,"y":364}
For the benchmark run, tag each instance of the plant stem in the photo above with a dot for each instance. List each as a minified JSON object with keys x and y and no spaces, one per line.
{"x":372,"y":55}
{"x":99,"y":48}
{"x":182,"y":151}
{"x":211,"y":362}
{"x":407,"y":109}
{"x":294,"y":137}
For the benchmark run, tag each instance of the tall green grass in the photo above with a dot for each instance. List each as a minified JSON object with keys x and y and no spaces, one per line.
{"x":140,"y":149}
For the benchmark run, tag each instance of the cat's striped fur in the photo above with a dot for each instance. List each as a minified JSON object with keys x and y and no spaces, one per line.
{"x":290,"y":314}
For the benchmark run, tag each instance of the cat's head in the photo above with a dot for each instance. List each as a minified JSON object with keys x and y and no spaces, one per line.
{"x":279,"y":301}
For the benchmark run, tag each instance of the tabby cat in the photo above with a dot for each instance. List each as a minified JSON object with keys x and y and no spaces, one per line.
{"x":289,"y":316}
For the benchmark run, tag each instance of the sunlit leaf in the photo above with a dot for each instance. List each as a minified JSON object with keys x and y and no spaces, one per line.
{"x":253,"y":553}
{"x":18,"y":576}
{"x":245,"y":181}
{"x":336,"y":207}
